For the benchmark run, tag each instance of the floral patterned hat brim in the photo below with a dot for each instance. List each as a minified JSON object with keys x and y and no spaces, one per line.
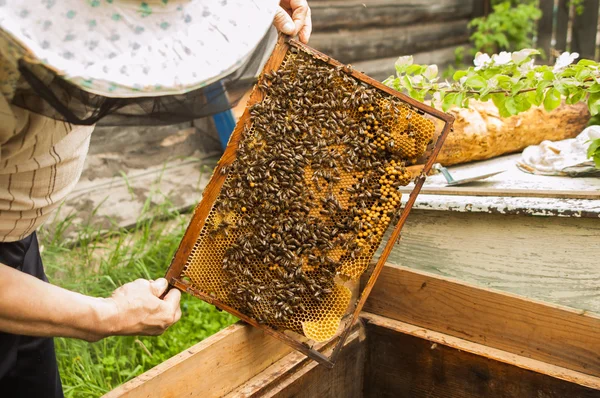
{"x":128,"y":48}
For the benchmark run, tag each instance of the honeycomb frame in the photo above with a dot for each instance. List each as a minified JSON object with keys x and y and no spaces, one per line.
{"x":309,"y":317}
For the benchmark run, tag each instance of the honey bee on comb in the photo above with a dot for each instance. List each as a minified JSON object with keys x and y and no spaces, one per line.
{"x":308,"y":198}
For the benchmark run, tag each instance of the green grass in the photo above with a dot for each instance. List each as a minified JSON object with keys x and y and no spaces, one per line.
{"x":96,"y":264}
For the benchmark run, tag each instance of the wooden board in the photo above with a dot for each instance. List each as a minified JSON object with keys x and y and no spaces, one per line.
{"x":211,"y":368}
{"x":408,"y":361}
{"x":559,"y":336}
{"x":512,"y":182}
{"x":357,"y":14}
{"x":384,"y":67}
{"x":546,"y":27}
{"x":295,"y":376}
{"x":585,"y":29}
{"x":348,"y":46}
{"x":562,"y":25}
{"x":552,"y":259}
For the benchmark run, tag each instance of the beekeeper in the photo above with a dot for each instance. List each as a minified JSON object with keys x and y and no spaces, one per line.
{"x":65,"y":65}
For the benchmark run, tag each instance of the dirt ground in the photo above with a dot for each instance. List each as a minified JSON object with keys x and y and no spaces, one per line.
{"x":128,"y":166}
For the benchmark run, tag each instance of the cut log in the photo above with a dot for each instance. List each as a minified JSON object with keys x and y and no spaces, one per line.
{"x":480,"y":133}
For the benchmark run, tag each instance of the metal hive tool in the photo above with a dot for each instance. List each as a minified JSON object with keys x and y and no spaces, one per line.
{"x":303,"y":197}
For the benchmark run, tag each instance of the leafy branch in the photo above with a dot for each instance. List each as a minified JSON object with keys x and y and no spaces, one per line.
{"x":511,"y":80}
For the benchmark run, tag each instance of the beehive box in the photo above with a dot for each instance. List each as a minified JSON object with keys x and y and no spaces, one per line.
{"x":303,"y":197}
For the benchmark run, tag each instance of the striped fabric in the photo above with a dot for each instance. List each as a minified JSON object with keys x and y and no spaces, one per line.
{"x":41,"y":160}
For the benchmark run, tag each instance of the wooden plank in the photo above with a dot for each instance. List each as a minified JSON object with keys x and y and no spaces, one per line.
{"x":545,"y":27}
{"x":211,"y":368}
{"x":353,"y":46}
{"x":382,"y":68}
{"x":507,"y":192}
{"x":529,"y":256}
{"x":562,"y":25}
{"x":559,"y":336}
{"x":295,"y":376}
{"x":481,"y":8}
{"x":407,"y":361}
{"x":512,"y":181}
{"x":585,"y":29}
{"x":545,"y":207}
{"x":358,"y":14}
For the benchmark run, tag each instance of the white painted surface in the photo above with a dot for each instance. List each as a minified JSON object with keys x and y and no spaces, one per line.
{"x":513,"y":179}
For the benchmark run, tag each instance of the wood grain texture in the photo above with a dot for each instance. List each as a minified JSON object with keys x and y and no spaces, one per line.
{"x":510,"y":192}
{"x":353,"y":46}
{"x":407,"y":361}
{"x":344,"y":380}
{"x":358,"y":14}
{"x":562,"y":25}
{"x":585,"y":29}
{"x":536,"y":257}
{"x":383,"y":68}
{"x":546,"y":26}
{"x":514,"y":182}
{"x":551,"y":334}
{"x":480,"y":133}
{"x":211,"y":368}
{"x":294,"y":375}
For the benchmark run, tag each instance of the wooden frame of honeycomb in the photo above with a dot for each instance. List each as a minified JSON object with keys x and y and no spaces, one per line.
{"x":303,"y":196}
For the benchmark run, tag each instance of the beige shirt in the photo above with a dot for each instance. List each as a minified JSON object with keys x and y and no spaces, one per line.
{"x":41,"y":160}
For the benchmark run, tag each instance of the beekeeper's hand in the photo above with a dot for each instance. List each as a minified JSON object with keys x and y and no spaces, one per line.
{"x":32,"y":307}
{"x":138,"y":310}
{"x":293,"y":18}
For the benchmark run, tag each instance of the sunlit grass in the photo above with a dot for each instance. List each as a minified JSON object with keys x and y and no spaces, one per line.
{"x":96,"y":263}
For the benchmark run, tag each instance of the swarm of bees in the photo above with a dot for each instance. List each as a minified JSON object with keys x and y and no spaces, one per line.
{"x":307,"y":201}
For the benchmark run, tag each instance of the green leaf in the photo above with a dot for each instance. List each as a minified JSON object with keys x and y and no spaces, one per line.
{"x":577,"y":95}
{"x":517,"y":87}
{"x":594,"y":103}
{"x":477,"y":82}
{"x":594,"y":147}
{"x":587,"y":62}
{"x":548,"y":75}
{"x":500,"y":101}
{"x":562,"y":88}
{"x":458,"y":101}
{"x":414,"y":70}
{"x":552,"y":99}
{"x":511,"y":105}
{"x":523,"y":102}
{"x":449,"y":100}
{"x":532,"y":98}
{"x":594,"y":88}
{"x":582,"y":74}
{"x":459,"y":74}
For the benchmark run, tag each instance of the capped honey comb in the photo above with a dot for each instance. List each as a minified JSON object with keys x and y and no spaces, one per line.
{"x":308,"y":198}
{"x":302,"y":198}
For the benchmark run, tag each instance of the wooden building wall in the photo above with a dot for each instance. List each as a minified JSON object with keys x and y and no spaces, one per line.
{"x":372,"y":34}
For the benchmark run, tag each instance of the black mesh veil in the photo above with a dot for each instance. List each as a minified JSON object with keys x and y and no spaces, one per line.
{"x":42,"y":92}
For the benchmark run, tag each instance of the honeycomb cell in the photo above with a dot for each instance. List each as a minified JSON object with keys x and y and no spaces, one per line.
{"x":307,"y":200}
